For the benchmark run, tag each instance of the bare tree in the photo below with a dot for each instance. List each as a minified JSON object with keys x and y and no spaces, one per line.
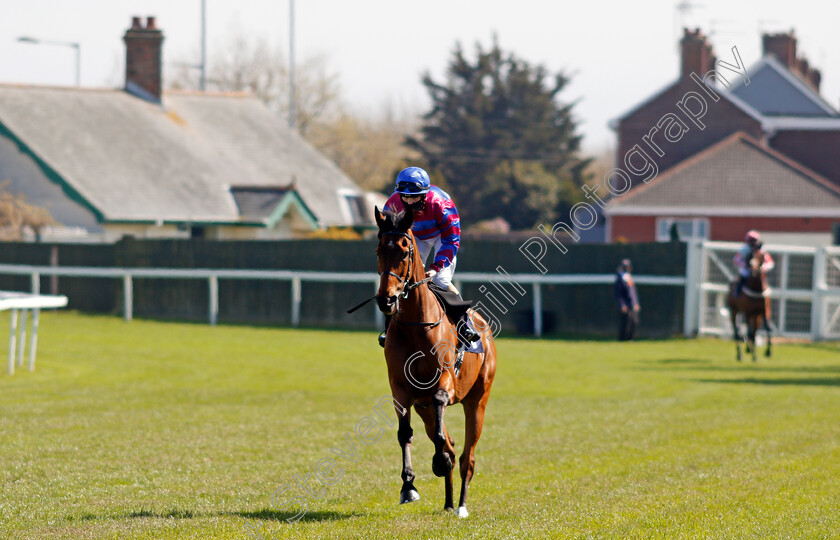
{"x":247,"y":65}
{"x":603,"y":161}
{"x":16,"y":215}
{"x":368,"y":150}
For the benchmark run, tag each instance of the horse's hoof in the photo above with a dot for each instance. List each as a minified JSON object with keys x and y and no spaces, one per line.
{"x":441,"y":464}
{"x":462,"y":512}
{"x":409,"y":496}
{"x":767,"y":354}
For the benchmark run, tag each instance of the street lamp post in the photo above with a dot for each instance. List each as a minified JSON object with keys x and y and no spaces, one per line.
{"x":292,"y":64}
{"x":75,"y":45}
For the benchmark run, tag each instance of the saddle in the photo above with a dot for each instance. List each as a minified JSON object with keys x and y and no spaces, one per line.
{"x":453,"y":305}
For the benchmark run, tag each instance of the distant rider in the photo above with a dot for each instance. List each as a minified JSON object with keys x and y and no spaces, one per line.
{"x":752,"y":243}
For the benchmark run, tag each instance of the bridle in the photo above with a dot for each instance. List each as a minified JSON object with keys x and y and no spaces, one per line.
{"x":757,"y":255}
{"x":407,"y":285}
{"x":756,"y":261}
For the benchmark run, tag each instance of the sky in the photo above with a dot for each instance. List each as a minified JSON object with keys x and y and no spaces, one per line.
{"x":618,"y":53}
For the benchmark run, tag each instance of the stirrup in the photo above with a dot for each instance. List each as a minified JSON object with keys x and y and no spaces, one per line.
{"x":470,"y":335}
{"x":459,"y":359}
{"x":382,"y":338}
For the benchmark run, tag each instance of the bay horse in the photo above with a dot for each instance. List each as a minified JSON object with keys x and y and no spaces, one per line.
{"x":753,"y":303}
{"x":420,"y":353}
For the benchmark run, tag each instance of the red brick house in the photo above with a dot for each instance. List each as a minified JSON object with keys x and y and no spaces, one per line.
{"x":735,"y":185}
{"x":771,"y":116}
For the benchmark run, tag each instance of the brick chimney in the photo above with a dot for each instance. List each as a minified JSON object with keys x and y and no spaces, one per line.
{"x":697,"y":56}
{"x":783,"y":47}
{"x":143,"y":59}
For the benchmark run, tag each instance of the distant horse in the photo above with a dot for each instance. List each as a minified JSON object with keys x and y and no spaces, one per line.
{"x":420,"y":352}
{"x":753,"y":303}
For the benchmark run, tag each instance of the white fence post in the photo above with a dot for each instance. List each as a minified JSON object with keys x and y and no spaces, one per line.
{"x":296,"y":295}
{"x":818,"y":288}
{"x":783,"y":287}
{"x":538,"y":320}
{"x":213,"y":284}
{"x":12,"y":337}
{"x":690,"y":302}
{"x":128,"y":297}
{"x":36,"y":283}
{"x":33,"y":338}
{"x":22,"y":336}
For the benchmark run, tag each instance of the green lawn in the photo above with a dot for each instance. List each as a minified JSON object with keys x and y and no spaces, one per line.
{"x":164,"y":430}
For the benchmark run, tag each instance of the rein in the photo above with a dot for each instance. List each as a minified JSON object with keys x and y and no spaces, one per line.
{"x":407,"y":284}
{"x":755,"y":294}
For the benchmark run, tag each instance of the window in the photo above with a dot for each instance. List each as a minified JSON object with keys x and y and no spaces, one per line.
{"x":687,"y":228}
{"x":356,"y":205}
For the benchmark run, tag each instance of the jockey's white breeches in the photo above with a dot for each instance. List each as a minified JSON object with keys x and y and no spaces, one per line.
{"x":443,"y":278}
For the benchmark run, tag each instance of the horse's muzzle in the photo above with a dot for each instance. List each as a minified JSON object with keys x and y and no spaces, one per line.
{"x":387,"y":304}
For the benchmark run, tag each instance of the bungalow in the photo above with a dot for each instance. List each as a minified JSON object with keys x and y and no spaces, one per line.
{"x":137,"y":161}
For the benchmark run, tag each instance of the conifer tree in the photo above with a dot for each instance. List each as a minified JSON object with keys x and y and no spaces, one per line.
{"x":499,"y":139}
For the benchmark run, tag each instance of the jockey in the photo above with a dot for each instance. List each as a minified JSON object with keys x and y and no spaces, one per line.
{"x":752,"y":242}
{"x":436,"y":226}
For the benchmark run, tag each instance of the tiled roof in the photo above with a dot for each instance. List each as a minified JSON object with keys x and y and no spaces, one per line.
{"x":135,"y":161}
{"x":775,"y":91}
{"x":737,"y":172}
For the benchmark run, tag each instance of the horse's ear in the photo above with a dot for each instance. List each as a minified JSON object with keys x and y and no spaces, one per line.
{"x":406,"y":221}
{"x":380,"y":218}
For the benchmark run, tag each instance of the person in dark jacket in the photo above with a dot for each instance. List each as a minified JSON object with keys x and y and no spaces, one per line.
{"x":628,"y":302}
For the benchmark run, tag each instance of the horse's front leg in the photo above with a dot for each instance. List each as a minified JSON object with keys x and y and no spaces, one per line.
{"x":767,"y":329}
{"x":408,"y":493}
{"x":444,"y":458}
{"x":733,"y":315}
{"x":751,"y":333}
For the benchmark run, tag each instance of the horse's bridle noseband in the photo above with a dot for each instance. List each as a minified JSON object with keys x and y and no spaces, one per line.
{"x":407,"y":284}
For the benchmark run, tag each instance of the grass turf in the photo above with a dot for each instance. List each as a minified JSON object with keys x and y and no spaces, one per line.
{"x":165,"y":430}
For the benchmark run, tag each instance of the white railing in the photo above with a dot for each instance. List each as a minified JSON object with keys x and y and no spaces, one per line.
{"x":804,"y":289}
{"x":296,"y":277}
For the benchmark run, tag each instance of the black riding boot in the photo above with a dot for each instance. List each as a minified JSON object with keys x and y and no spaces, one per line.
{"x":384,"y":332}
{"x":466,"y":334}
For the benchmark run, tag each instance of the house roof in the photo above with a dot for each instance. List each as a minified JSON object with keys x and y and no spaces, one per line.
{"x":133,"y":161}
{"x":774,"y":91}
{"x":267,"y":205}
{"x":775,"y":97}
{"x":735,"y":176}
{"x":689,"y":85}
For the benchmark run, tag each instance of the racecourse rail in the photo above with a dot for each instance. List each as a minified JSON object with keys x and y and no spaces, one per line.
{"x":295,"y":277}
{"x":804,"y":287}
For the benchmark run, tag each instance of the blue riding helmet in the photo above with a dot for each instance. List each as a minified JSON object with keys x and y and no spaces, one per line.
{"x":413,"y":181}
